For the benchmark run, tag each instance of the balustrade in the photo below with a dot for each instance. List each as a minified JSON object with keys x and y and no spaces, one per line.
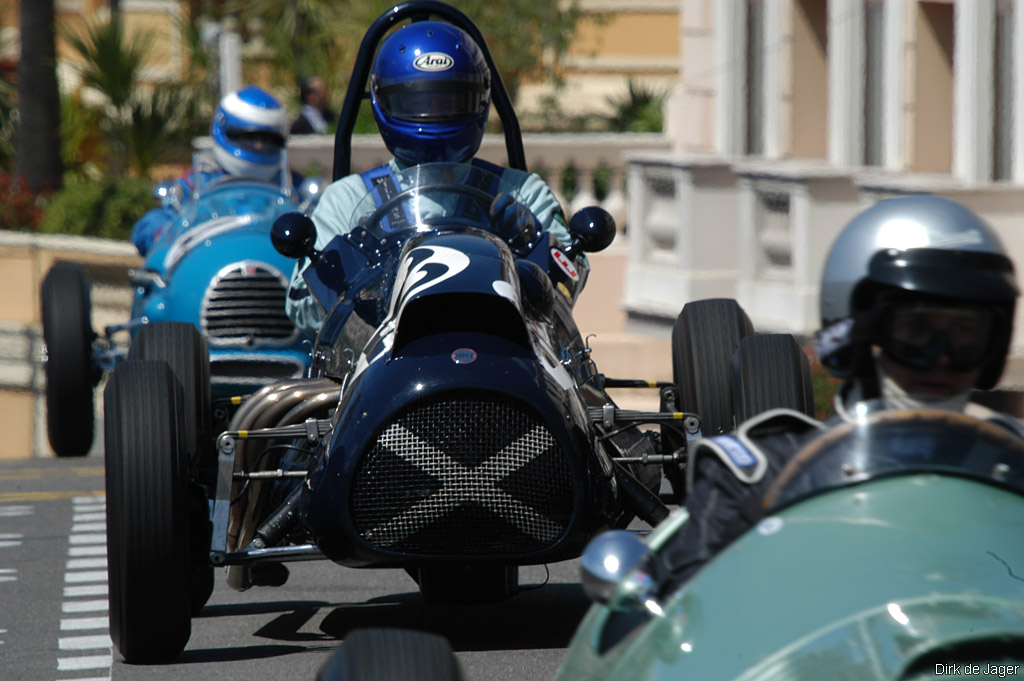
{"x":592,"y":163}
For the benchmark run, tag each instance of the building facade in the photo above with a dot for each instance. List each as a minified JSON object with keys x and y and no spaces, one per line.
{"x":793,"y":115}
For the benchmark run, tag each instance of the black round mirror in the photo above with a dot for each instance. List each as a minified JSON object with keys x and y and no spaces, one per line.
{"x":592,"y":229}
{"x":293,"y":235}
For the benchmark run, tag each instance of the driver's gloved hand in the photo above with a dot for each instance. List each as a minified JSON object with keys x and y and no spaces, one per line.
{"x":514,"y":222}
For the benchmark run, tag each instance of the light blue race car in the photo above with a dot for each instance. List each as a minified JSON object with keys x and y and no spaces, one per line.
{"x":214,"y":267}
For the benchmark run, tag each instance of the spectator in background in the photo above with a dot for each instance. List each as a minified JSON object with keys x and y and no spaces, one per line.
{"x":314,"y":116}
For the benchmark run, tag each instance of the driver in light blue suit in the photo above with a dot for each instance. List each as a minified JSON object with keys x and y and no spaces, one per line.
{"x":430,"y":95}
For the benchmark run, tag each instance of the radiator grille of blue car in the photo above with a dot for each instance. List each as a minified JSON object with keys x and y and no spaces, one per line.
{"x":245,"y":305}
{"x":475,"y":477}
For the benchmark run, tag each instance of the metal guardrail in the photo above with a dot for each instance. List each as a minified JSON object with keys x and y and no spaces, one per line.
{"x":20,"y":346}
{"x":22,"y":375}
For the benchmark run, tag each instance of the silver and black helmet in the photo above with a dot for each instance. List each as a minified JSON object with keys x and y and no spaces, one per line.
{"x":912,"y":248}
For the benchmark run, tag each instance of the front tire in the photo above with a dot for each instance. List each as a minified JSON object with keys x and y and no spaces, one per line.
{"x":392,"y":655}
{"x":70,"y":374}
{"x":147,"y":513}
{"x":186,"y":352}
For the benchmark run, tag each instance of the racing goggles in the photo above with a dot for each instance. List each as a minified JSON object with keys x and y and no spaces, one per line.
{"x":257,"y":141}
{"x":918,"y":335}
{"x":433,"y":101}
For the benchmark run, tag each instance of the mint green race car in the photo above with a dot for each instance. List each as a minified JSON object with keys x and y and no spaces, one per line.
{"x":890,"y":549}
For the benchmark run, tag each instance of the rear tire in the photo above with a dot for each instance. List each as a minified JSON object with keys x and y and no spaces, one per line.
{"x":771,"y":371}
{"x":147,"y":513}
{"x":392,"y":655}
{"x":704,"y":337}
{"x":70,"y":373}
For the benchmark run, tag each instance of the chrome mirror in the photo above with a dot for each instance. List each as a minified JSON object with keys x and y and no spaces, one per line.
{"x":310,"y":191}
{"x":169,"y":194}
{"x":620,"y":571}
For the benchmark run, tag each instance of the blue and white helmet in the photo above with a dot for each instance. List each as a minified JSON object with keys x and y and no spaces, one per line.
{"x":249,"y":129}
{"x":430,"y":91}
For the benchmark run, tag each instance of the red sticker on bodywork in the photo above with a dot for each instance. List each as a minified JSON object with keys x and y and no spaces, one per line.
{"x":565,"y":264}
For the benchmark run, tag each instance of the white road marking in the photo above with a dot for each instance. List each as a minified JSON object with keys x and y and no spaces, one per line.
{"x":86,"y":563}
{"x":84,"y":606}
{"x":85,"y":579}
{"x":73,"y":664}
{"x":15,"y":511}
{"x":80,"y":539}
{"x":84,"y":642}
{"x":87,"y":590}
{"x":10,"y":539}
{"x":83,"y":623}
{"x":81,"y":577}
{"x":80,"y":528}
{"x":87,"y":551}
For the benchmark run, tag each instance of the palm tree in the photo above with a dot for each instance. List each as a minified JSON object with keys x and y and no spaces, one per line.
{"x":142,"y":128}
{"x":37,"y":151}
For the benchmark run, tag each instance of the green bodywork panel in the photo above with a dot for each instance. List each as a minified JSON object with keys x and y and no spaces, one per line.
{"x":856,"y":583}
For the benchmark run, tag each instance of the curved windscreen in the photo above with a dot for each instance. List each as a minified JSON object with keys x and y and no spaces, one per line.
{"x":879,"y":443}
{"x":426,"y":197}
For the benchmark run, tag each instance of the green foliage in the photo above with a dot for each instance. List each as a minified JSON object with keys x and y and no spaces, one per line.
{"x":601,"y":186}
{"x":155,"y":132}
{"x":142,"y":128}
{"x":365,"y":123}
{"x":824,"y":387}
{"x":83,"y":144}
{"x":20,"y":207}
{"x":104,"y":208}
{"x":111,"y":60}
{"x":639,"y":110}
{"x":527,"y":38}
{"x":8,"y":123}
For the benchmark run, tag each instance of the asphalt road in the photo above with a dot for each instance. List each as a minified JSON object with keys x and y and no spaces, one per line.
{"x":53,"y":595}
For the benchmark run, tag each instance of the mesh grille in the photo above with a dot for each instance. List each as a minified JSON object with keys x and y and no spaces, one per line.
{"x":464,"y":476}
{"x":245,"y":303}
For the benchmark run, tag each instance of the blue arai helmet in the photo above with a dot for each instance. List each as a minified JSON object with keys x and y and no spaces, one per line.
{"x":248,"y":133}
{"x":430,"y":90}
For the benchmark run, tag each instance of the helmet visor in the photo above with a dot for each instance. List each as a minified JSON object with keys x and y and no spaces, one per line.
{"x":256,"y":141}
{"x":919,"y":335}
{"x":432,"y":101}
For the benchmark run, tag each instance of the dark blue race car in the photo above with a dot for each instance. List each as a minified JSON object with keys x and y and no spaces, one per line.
{"x":452,"y":423}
